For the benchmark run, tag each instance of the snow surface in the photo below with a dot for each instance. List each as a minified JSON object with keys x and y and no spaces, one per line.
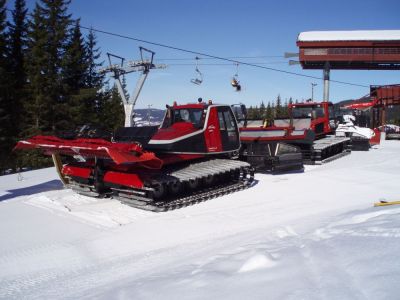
{"x":311,"y":235}
{"x":356,"y":35}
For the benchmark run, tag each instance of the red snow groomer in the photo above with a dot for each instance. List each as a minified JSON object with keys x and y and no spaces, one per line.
{"x":265,"y":147}
{"x":310,"y":128}
{"x":186,"y":160}
{"x":317,"y":121}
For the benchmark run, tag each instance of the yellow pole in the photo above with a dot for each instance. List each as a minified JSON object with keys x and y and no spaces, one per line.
{"x":58,"y":164}
{"x":385,"y":203}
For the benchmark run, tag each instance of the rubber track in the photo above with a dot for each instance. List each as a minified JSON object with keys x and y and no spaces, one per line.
{"x":332,"y":158}
{"x":313,"y":155}
{"x":198,"y":170}
{"x":196,"y":197}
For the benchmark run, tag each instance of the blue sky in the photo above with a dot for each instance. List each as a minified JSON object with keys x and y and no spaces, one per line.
{"x":234,"y":29}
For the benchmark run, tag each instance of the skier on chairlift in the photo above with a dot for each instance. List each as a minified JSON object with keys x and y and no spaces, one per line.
{"x":235,"y":83}
{"x":235,"y":80}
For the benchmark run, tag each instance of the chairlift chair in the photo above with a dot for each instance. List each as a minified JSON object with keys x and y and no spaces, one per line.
{"x":199,"y":76}
{"x":235,"y":80}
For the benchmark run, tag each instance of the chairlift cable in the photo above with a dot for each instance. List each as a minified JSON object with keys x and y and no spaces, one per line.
{"x":231,"y":57}
{"x":217,"y":57}
{"x":206,"y":55}
{"x":223,"y":64}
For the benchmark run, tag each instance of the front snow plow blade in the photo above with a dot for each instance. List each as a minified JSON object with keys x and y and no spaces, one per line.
{"x":90,"y":162}
{"x":119,"y":153}
{"x":274,"y":157}
{"x":269,"y":149}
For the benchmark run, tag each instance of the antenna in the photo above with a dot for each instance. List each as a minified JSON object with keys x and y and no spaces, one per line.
{"x":143,"y":65}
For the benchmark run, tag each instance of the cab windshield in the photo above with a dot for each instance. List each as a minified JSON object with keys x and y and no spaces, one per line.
{"x":302,"y":112}
{"x":312,"y":112}
{"x":192,"y":115}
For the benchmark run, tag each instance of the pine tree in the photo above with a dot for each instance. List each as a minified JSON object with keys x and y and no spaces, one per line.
{"x":74,"y":61}
{"x":278,"y":107}
{"x":269,"y":113}
{"x":285,"y":109}
{"x":37,"y":105}
{"x":18,"y":43}
{"x":251,"y":112}
{"x":107,"y":102}
{"x":273,"y":109}
{"x":18,"y":32}
{"x":73,"y":78}
{"x":47,"y":46}
{"x":38,"y":108}
{"x":45,"y":110}
{"x":112,"y":110}
{"x":57,"y":20}
{"x":262,"y":110}
{"x":6,"y":129}
{"x":94,"y":80}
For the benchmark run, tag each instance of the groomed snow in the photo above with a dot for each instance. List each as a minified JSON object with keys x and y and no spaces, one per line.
{"x":311,"y":235}
{"x":356,"y":35}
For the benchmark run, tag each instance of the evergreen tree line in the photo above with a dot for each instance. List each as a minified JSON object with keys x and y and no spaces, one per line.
{"x":48,"y":79}
{"x":273,"y":109}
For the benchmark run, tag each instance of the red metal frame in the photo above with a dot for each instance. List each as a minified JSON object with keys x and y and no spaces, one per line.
{"x":386,"y":94}
{"x":125,"y":179}
{"x":76,"y":171}
{"x":382,"y":96}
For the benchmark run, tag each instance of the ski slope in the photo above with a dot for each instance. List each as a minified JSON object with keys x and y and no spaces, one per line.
{"x":311,"y":235}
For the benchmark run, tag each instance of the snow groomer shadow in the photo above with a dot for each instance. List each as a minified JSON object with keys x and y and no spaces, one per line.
{"x":34,"y":189}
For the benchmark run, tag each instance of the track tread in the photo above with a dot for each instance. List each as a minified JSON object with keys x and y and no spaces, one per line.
{"x":139,"y":198}
{"x":196,"y":197}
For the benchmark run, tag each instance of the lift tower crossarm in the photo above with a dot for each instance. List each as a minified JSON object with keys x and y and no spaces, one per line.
{"x":144,"y":66}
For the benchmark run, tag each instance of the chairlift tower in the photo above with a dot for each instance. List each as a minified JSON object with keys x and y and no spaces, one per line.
{"x":117,"y":70}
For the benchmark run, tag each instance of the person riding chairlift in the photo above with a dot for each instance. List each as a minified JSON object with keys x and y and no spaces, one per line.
{"x":235,"y":83}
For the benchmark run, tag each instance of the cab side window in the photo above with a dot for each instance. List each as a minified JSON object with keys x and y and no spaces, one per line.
{"x":319,"y":112}
{"x":221,"y":121}
{"x":230,"y":124}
